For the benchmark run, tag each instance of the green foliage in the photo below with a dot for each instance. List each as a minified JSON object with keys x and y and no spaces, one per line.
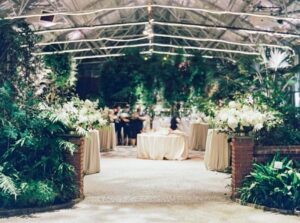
{"x":118,"y":80}
{"x":275,"y":77}
{"x":36,"y":193}
{"x":33,"y":171}
{"x":7,"y":185}
{"x":205,"y":105}
{"x":62,"y":78}
{"x":16,"y":45}
{"x":126,"y":78}
{"x":31,"y":148}
{"x":277,"y":188}
{"x":282,"y":135}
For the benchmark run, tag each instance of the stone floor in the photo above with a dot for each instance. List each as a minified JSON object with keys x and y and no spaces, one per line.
{"x":130,"y":190}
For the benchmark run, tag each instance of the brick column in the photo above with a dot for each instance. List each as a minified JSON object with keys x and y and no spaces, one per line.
{"x":242,"y":160}
{"x":77,"y":161}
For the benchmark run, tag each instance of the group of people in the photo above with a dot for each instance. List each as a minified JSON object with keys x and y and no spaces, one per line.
{"x":128,"y":124}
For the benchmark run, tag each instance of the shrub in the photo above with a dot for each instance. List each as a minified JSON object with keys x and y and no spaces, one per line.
{"x":273,"y":187}
{"x":36,"y":193}
{"x":31,"y":194}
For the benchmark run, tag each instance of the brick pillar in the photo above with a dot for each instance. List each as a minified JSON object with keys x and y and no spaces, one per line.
{"x":242,"y":160}
{"x":77,"y":161}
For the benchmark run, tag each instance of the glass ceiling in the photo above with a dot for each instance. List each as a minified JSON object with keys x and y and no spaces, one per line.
{"x":216,"y":28}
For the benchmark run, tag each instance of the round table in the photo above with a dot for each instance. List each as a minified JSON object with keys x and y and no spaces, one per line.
{"x":91,"y":161}
{"x":107,"y":137}
{"x":158,"y":146}
{"x":198,"y":135}
{"x":216,"y":152}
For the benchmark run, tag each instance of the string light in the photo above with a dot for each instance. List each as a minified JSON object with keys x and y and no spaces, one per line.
{"x":271,"y":33}
{"x":90,"y":27}
{"x":266,"y":32}
{"x":149,"y":7}
{"x":148,"y":52}
{"x":167,"y":36}
{"x":150,"y":45}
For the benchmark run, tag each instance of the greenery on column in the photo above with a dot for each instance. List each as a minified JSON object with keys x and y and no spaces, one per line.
{"x":62,"y":77}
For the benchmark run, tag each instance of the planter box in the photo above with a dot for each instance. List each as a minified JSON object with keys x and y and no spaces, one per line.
{"x":265,"y":208}
{"x":4,"y":213}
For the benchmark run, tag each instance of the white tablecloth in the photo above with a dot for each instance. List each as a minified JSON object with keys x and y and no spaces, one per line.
{"x":159,"y":146}
{"x":91,"y":162}
{"x":107,"y":137}
{"x":161,"y":122}
{"x":165,"y":122}
{"x":216,"y":152}
{"x":198,"y":136}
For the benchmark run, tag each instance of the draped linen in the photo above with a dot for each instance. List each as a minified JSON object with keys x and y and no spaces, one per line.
{"x":216,"y":153}
{"x":198,"y":136}
{"x":91,"y":161}
{"x":107,"y":135}
{"x":158,"y":146}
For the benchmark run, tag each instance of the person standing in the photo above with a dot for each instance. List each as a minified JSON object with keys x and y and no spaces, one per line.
{"x":117,"y":121}
{"x":137,"y":121}
{"x":125,"y":124}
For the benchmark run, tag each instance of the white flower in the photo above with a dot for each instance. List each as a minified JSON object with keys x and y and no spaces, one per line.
{"x":232,"y":104}
{"x":232,"y":123}
{"x":241,"y":116}
{"x":258,"y":127}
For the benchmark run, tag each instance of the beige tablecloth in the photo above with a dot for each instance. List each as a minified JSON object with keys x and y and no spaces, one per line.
{"x":107,"y":137}
{"x":159,"y":146}
{"x":216,"y":152}
{"x":198,"y":136}
{"x":91,"y":161}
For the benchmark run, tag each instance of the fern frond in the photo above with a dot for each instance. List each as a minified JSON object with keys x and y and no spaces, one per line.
{"x":66,"y":145}
{"x":8,"y":186}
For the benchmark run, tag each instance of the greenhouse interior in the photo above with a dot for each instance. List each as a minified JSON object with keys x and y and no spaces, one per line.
{"x":150,"y":111}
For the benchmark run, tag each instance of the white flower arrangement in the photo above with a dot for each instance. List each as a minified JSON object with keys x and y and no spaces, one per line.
{"x":244,"y":117}
{"x":79,"y":115}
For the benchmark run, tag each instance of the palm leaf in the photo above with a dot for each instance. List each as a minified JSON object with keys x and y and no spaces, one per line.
{"x":278,"y":60}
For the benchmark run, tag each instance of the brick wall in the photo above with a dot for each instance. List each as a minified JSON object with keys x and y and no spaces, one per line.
{"x":242,"y":160}
{"x":265,"y":153}
{"x":77,"y":161}
{"x":244,"y":154}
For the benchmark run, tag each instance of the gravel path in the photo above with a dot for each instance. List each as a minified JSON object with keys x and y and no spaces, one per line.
{"x":130,"y":190}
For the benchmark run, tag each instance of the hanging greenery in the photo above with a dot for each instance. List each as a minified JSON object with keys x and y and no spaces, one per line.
{"x":62,"y":77}
{"x":134,"y":77}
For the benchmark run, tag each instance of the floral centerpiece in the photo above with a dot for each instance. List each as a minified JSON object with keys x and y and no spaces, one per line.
{"x":78,"y":115}
{"x":243,"y":116}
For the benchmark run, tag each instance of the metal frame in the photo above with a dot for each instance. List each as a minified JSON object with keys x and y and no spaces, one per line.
{"x":177,"y":24}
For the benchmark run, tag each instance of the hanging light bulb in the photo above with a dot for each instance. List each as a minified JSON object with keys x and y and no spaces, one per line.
{"x":148,"y":31}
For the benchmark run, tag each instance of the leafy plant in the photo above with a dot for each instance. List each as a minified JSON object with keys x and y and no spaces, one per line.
{"x":7,"y":185}
{"x":36,"y":193}
{"x":61,"y":78}
{"x":273,"y":187}
{"x":33,"y":168}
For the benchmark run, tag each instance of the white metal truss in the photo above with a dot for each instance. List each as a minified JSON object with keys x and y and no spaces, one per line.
{"x":89,"y":12}
{"x":149,"y":45}
{"x":177,"y":25}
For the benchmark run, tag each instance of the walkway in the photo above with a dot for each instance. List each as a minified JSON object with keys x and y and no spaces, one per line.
{"x":130,"y":190}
